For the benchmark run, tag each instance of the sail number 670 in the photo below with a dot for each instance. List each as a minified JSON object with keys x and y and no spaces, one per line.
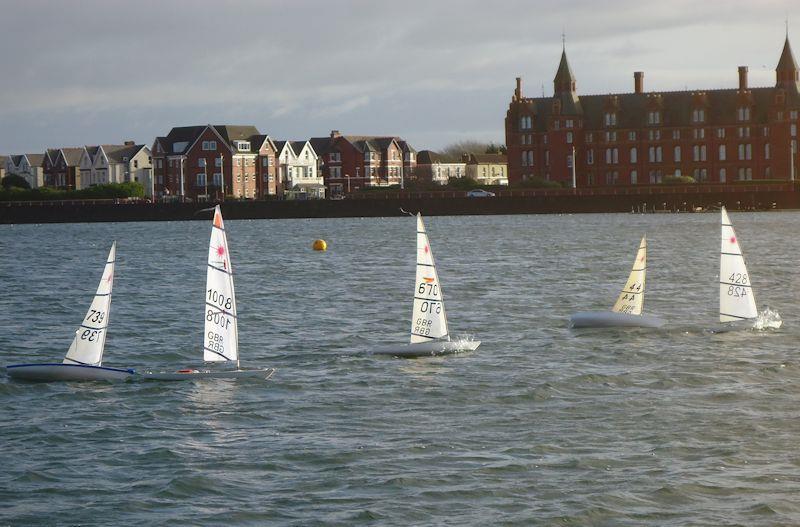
{"x":428,"y":289}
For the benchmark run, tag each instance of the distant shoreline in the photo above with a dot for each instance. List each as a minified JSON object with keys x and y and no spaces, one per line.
{"x":387,"y":204}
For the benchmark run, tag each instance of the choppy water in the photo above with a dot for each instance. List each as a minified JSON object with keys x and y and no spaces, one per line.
{"x":543,"y":425}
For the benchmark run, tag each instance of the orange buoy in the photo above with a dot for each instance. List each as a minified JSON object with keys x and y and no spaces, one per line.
{"x":320,"y":245}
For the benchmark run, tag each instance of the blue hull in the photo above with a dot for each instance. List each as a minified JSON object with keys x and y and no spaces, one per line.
{"x":48,"y":372}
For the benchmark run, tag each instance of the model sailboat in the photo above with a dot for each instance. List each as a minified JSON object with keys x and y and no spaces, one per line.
{"x":221,"y":330}
{"x":429,"y":332}
{"x":85,"y":355}
{"x":627,"y":311}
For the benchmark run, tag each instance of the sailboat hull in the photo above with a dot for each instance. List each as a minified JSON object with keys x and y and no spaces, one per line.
{"x":610,"y":319}
{"x":189,"y":375}
{"x":427,"y":349}
{"x":67,"y":372}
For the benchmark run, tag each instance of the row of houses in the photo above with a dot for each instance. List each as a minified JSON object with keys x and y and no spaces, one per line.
{"x":211,"y":161}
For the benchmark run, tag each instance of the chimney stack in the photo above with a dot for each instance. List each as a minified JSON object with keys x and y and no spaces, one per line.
{"x":638,"y":81}
{"x":130,"y":143}
{"x":742,"y":77}
{"x":335,"y":134}
{"x":518,"y":91}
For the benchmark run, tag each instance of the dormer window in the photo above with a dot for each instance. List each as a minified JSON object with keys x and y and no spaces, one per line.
{"x":743,"y":113}
{"x":243,"y":146}
{"x":654,"y":117}
{"x":610,"y":119}
{"x":699,"y":115}
{"x":525,"y":122}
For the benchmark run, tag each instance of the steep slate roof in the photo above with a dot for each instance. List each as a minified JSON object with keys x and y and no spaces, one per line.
{"x":231,"y":133}
{"x":72,"y":156}
{"x":119,"y":153}
{"x":298,"y":146}
{"x":787,"y":61}
{"x":492,"y":159}
{"x":321,"y":145}
{"x":180,"y":134}
{"x":564,"y":73}
{"x":428,"y":157}
{"x":92,"y":151}
{"x":35,"y":159}
{"x":279,"y":146}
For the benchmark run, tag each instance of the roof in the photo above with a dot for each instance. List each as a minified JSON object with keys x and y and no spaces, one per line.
{"x":488,"y":159}
{"x":121,"y":153}
{"x":564,"y":76}
{"x":35,"y":159}
{"x":787,"y":61}
{"x":72,"y":156}
{"x":231,"y":133}
{"x":427,"y":157}
{"x":298,"y":146}
{"x":321,"y":145}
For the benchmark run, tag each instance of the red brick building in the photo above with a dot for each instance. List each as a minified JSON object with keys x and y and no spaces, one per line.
{"x":62,"y":168}
{"x":351,"y":162}
{"x":213,"y":160}
{"x":720,"y":135}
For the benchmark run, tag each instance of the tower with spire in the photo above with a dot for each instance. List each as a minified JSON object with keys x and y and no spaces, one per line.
{"x":787,"y":72}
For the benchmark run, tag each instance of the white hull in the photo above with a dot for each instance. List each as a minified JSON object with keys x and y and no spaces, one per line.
{"x":427,"y":349}
{"x":610,"y":319}
{"x":67,"y":372}
{"x":189,"y":375}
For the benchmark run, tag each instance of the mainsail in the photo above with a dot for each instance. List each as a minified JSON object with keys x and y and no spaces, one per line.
{"x":428,"y":319}
{"x":631,"y":299}
{"x":90,"y":338}
{"x":220,"y":334}
{"x":736,"y":299}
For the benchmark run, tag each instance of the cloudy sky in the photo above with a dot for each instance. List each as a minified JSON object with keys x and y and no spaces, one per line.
{"x":78,"y":72}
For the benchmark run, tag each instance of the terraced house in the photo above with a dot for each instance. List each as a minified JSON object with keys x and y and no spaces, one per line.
{"x":28,"y":166}
{"x":212,"y":161}
{"x":712,"y":135}
{"x":103,"y":164}
{"x":351,"y":162}
{"x":62,"y":168}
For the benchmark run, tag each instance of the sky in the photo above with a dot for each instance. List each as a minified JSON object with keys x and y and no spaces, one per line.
{"x":434,"y":72}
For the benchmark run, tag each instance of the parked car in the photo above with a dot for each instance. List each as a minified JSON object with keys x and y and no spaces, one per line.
{"x":480,"y":193}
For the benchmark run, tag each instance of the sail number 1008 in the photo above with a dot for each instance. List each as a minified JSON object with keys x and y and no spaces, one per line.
{"x":217,"y":298}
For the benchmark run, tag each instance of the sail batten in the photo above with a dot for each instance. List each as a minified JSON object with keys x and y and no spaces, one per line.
{"x":428,"y":317}
{"x":736,"y":298}
{"x":90,"y":340}
{"x":220,"y":332}
{"x":631,"y":298}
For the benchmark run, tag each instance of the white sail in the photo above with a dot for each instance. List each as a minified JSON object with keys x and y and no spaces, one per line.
{"x":631,"y":299}
{"x":90,"y":338}
{"x":220,"y":334}
{"x":428,"y":319}
{"x":736,"y":299}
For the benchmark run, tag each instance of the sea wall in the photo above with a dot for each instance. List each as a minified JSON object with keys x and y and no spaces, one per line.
{"x":658,"y":199}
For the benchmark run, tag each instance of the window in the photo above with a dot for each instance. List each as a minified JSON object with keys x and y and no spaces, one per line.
{"x":525,"y":122}
{"x":159,"y":163}
{"x":568,"y":123}
{"x":748,"y":152}
{"x":743,"y":113}
{"x":721,"y":133}
{"x":217,"y":179}
{"x":611,"y":137}
{"x":557,"y":124}
{"x":634,"y":177}
{"x":530,"y":160}
{"x":698,"y":115}
{"x":766,"y":151}
{"x":524,"y":159}
{"x":201,"y":162}
{"x":765,"y":131}
{"x":201,"y":180}
{"x":217,"y":162}
{"x":741,"y":152}
{"x":654,"y":117}
{"x":699,"y":133}
{"x":722,"y":175}
{"x":744,"y":131}
{"x":243,"y":146}
{"x":654,"y":135}
{"x":793,"y":115}
{"x":676,"y":154}
{"x":335,"y":156}
{"x":589,"y":137}
{"x":612,"y":177}
{"x":264,"y":161}
{"x":702,"y":152}
{"x":209,"y":145}
{"x":633,"y":155}
{"x":722,"y":153}
{"x":135,"y":163}
{"x":793,"y":130}
{"x":676,"y":134}
{"x":612,"y":156}
{"x":547,"y":157}
{"x":569,"y":137}
{"x":590,"y":157}
{"x":610,"y":119}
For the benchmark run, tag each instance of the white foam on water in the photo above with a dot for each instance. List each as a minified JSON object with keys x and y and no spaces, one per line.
{"x":768,"y":319}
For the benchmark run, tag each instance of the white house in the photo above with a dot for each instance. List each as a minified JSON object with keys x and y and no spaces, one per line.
{"x":100,"y":165}
{"x":28,"y":166}
{"x":299,"y":170}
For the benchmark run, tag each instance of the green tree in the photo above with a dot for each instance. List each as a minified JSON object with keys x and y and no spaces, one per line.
{"x":14,"y":181}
